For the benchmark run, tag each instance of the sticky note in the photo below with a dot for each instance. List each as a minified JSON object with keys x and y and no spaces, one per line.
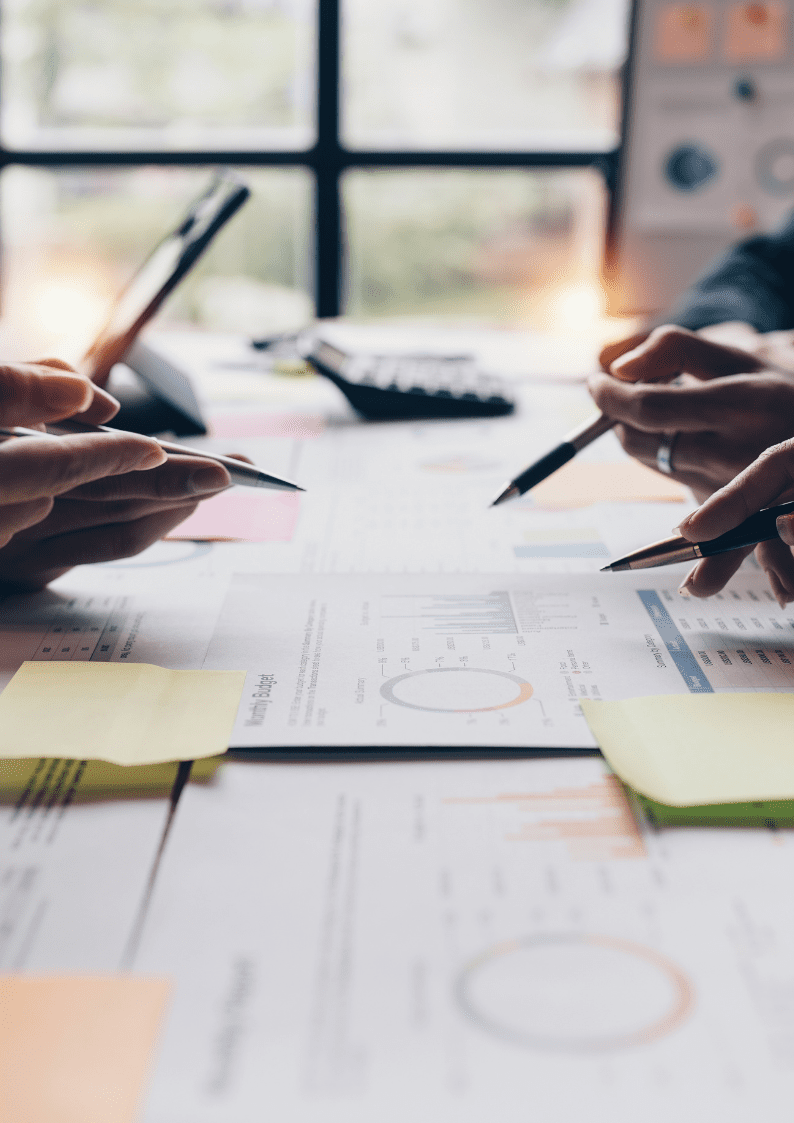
{"x":580,"y":483}
{"x":683,"y":33}
{"x":696,"y":749}
{"x":756,"y":32}
{"x":244,"y":516}
{"x":759,"y":813}
{"x":126,"y":713}
{"x":76,"y":1049}
{"x":87,"y":781}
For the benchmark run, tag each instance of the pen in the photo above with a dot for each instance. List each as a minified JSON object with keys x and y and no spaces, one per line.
{"x":247,"y":475}
{"x":760,"y":527}
{"x":568,"y":447}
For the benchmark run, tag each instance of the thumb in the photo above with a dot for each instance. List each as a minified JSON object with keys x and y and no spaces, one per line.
{"x":31,"y":393}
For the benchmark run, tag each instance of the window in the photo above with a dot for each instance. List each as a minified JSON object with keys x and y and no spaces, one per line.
{"x":407,"y":156}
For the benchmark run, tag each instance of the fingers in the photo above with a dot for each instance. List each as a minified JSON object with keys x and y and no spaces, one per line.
{"x":776,"y":560}
{"x":712,"y":574}
{"x":669,"y":351}
{"x":613,"y":351}
{"x":45,"y":391}
{"x":45,"y":560}
{"x":19,"y":516}
{"x":103,"y":406}
{"x":68,"y":515}
{"x":690,"y":408}
{"x":761,"y":485}
{"x":703,"y":461}
{"x":32,"y":468}
{"x":180,"y":478}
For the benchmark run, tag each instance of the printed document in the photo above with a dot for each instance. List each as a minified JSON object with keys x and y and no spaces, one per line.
{"x":482,"y":661}
{"x":464,"y":941}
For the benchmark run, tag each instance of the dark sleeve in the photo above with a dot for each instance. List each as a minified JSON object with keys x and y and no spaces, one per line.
{"x":753,"y":282}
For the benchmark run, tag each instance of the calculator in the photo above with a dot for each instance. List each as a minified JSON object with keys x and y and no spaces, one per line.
{"x":410,"y":387}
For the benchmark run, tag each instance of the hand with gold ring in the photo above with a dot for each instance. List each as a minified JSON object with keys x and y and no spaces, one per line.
{"x":707,"y":427}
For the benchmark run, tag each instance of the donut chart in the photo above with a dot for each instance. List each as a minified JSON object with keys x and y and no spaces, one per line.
{"x":571,"y":992}
{"x":774,"y":167}
{"x":457,"y":690}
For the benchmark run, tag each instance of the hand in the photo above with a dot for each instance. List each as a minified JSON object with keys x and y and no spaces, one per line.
{"x":108,"y":518}
{"x":47,"y":522}
{"x":769,"y":480}
{"x":723,"y":415}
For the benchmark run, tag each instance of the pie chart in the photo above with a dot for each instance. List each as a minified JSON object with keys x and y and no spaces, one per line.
{"x":574,"y":993}
{"x":457,"y":690}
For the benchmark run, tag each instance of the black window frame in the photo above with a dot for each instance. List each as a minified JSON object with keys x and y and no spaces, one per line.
{"x":328,"y":159}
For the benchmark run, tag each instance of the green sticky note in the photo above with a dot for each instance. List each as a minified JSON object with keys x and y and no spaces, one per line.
{"x":699,"y":749}
{"x":765,"y":813}
{"x":125,"y":713}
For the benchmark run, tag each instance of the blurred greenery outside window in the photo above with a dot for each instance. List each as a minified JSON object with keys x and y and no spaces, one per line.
{"x":226,"y":75}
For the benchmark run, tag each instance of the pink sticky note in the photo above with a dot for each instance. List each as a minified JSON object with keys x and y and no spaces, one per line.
{"x":259,"y":423}
{"x":242,"y":515}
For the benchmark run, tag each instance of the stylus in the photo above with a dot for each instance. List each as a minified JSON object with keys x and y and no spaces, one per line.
{"x":247,"y":475}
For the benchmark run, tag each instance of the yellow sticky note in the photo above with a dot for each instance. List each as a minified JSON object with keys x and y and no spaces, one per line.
{"x":693,"y":749}
{"x":79,"y":781}
{"x":580,"y":483}
{"x":76,"y":1049}
{"x":126,"y":713}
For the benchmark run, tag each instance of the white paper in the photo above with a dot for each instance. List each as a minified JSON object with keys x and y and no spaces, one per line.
{"x":482,"y":661}
{"x":73,"y":876}
{"x":469,"y":941}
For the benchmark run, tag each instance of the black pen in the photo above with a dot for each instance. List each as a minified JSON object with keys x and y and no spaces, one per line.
{"x":246,"y":475}
{"x":568,"y":447}
{"x":760,"y":527}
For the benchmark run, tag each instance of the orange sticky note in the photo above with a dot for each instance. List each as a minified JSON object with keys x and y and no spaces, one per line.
{"x":579,"y":484}
{"x":683,"y":33}
{"x":76,"y":1049}
{"x":756,"y":32}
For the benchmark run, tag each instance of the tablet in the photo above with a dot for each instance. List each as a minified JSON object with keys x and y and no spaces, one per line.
{"x":162,"y":271}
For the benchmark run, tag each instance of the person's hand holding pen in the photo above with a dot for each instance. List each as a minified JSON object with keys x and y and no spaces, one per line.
{"x":84,"y":498}
{"x":712,"y":423}
{"x":768,"y":481}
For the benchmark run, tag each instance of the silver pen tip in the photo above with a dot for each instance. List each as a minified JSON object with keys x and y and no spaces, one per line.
{"x":508,"y":493}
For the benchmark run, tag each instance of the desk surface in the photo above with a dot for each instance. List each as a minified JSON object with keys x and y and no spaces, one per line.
{"x":425,"y":940}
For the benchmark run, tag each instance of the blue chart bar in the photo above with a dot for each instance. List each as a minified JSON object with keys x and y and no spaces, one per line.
{"x":461,"y":613}
{"x":680,"y":651}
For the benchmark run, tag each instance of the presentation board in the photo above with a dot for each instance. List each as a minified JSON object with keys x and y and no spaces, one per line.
{"x":708,"y":141}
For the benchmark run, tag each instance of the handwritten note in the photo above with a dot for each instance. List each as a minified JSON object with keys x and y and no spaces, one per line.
{"x":694,"y":749}
{"x":126,"y":713}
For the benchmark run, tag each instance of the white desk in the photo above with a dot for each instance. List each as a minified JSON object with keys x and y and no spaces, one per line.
{"x":435,"y":941}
